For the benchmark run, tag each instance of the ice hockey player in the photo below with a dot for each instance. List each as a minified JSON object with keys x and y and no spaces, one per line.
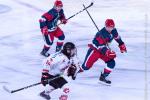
{"x":54,"y":67}
{"x":99,"y":49}
{"x":49,"y":28}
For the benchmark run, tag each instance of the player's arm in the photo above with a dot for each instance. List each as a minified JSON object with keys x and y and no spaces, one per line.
{"x":119,"y":41}
{"x":45,"y":75}
{"x":44,"y":18}
{"x":100,"y":44}
{"x":47,"y":63}
{"x":74,"y":67}
{"x":43,"y":22}
{"x":62,"y":17}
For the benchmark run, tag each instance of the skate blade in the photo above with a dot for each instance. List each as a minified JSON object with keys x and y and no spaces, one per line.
{"x":44,"y":97}
{"x":103,"y":83}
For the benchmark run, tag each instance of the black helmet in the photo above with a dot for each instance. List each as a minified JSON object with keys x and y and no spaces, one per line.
{"x":69,"y":49}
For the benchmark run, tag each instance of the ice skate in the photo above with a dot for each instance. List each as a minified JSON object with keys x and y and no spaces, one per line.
{"x":44,"y":95}
{"x":104,"y":81}
{"x":44,"y":53}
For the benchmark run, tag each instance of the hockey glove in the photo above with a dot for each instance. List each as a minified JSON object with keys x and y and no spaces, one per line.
{"x":64,"y":21}
{"x":44,"y":79}
{"x":80,"y":70}
{"x":110,"y":54}
{"x":122,"y":48}
{"x":44,"y":30}
{"x":71,"y":71}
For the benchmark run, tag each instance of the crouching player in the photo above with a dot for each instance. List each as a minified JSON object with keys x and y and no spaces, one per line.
{"x":54,"y":66}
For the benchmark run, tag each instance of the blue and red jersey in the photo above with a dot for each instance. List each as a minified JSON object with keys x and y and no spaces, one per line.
{"x":51,"y":18}
{"x":103,"y":37}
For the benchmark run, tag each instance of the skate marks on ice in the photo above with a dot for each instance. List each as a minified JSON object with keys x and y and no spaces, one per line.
{"x":4,"y":8}
{"x":121,"y":79}
{"x":17,"y":34}
{"x":20,"y":72}
{"x":4,"y":82}
{"x":28,"y":5}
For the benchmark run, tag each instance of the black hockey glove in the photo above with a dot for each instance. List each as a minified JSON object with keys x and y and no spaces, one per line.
{"x":71,"y":71}
{"x":44,"y":79}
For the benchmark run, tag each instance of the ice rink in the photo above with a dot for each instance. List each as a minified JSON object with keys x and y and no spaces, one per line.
{"x":21,"y":43}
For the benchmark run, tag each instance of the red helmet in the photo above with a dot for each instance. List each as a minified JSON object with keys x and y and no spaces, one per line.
{"x":109,"y":23}
{"x":58,"y":3}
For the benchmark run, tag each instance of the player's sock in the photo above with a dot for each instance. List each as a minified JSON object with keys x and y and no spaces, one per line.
{"x":59,"y":46}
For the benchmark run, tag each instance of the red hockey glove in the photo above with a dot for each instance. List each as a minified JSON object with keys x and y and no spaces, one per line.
{"x":64,"y":21}
{"x":44,"y":79}
{"x":80,"y":70}
{"x":123,"y":48}
{"x":110,"y":54}
{"x":44,"y":30}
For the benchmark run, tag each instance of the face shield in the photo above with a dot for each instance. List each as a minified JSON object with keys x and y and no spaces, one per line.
{"x":58,"y":8}
{"x":72,"y":52}
{"x":109,"y":29}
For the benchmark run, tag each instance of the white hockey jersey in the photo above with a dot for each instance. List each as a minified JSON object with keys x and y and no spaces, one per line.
{"x":56,"y":63}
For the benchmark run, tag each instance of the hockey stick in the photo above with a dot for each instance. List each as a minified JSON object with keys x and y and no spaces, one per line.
{"x":13,"y":91}
{"x":26,"y":87}
{"x":95,"y":24}
{"x":91,"y":18}
{"x":81,"y":11}
{"x":78,"y":12}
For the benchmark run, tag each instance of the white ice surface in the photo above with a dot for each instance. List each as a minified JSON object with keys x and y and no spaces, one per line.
{"x":21,"y":42}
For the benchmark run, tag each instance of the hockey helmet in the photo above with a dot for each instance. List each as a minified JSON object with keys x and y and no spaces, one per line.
{"x":58,"y":3}
{"x":69,"y":49}
{"x":109,"y":23}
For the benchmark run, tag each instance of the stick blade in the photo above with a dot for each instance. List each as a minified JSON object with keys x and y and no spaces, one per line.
{"x":92,"y":3}
{"x":6,"y":89}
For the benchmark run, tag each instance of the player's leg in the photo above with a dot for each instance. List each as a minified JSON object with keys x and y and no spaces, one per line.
{"x":57,"y":82}
{"x":48,"y":42}
{"x":65,"y":91}
{"x":62,"y":84}
{"x":46,"y":93}
{"x":91,"y":57}
{"x":107,"y":70}
{"x":60,"y":35}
